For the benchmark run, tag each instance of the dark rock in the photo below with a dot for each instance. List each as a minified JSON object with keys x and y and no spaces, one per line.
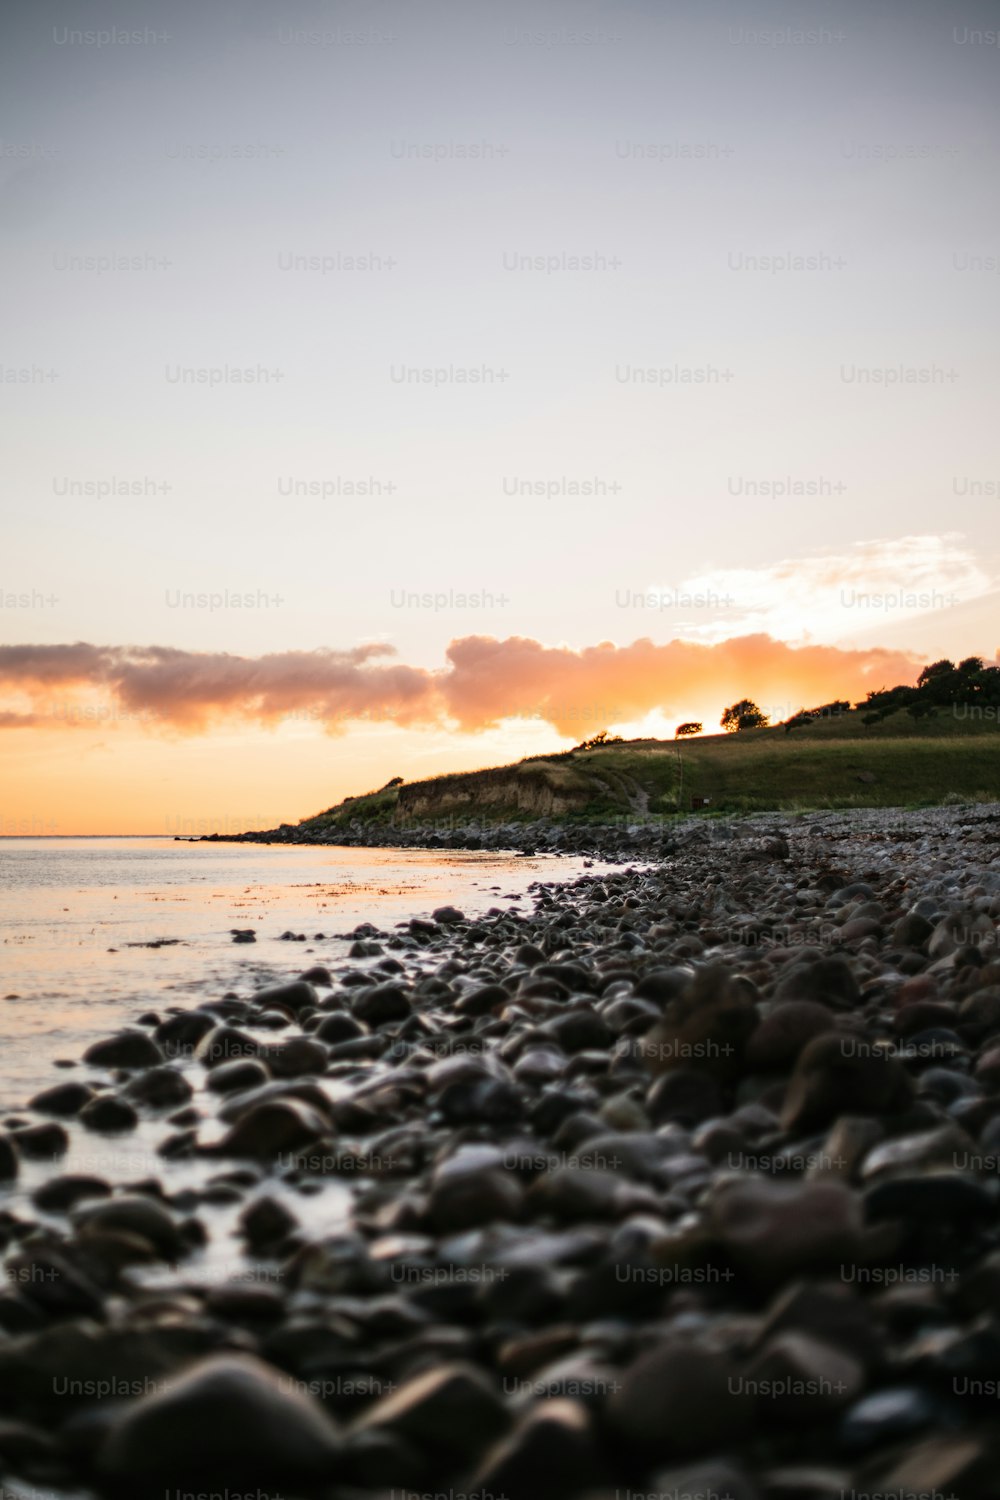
{"x":233,"y":1077}
{"x":842,"y":1074}
{"x":108,"y":1113}
{"x":941,"y":1198}
{"x":127,"y":1049}
{"x":229,"y":1421}
{"x":784,"y":1032}
{"x":687,"y":1096}
{"x":825,"y":981}
{"x":296,"y":996}
{"x":60,"y":1194}
{"x":63,"y":1099}
{"x":133,"y":1213}
{"x":179,"y":1035}
{"x":39,"y":1142}
{"x":297,"y":1057}
{"x":224,"y":1044}
{"x":159,"y":1087}
{"x":549,"y":1455}
{"x":776,"y":1229}
{"x":680,"y":1399}
{"x":452,"y":1412}
{"x":9,"y":1159}
{"x":339,"y":1027}
{"x":382,"y":1003}
{"x":797,"y":1377}
{"x":272,"y":1128}
{"x":888,"y":1416}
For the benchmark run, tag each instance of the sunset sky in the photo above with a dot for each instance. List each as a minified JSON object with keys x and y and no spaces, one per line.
{"x":608,"y":363}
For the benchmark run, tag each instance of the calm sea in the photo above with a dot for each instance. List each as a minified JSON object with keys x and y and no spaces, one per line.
{"x":77,"y":917}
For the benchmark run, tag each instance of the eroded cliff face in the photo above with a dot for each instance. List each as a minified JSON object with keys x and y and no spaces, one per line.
{"x":539,"y":790}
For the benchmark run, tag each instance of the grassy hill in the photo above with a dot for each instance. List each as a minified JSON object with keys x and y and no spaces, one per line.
{"x":836,"y":763}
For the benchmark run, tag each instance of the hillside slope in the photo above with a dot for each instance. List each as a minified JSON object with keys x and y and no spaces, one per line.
{"x":831,"y":764}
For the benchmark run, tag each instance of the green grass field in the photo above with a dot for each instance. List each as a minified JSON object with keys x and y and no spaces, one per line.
{"x":837,"y":763}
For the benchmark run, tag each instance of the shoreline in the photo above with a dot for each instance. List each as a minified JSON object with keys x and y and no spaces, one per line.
{"x":635,"y":1177}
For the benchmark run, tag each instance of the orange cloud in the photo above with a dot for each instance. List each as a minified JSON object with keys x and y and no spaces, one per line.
{"x":486,"y":681}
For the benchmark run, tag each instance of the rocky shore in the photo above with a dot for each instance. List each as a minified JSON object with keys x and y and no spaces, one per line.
{"x":683,"y":1183}
{"x":621,"y":839}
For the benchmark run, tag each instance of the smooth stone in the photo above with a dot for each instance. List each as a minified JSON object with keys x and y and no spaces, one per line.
{"x":981,"y":1009}
{"x":63,"y":1099}
{"x":824,"y":981}
{"x":800,"y":1377}
{"x":230,"y":1420}
{"x":452,"y":1411}
{"x":178,"y":1036}
{"x":43,"y":1275}
{"x":159,"y":1087}
{"x":911,"y":931}
{"x":887,"y":1416}
{"x":60,"y":1194}
{"x":707,"y":1027}
{"x":964,"y":1465}
{"x":573,"y":1194}
{"x":242,"y":1073}
{"x":224,"y":1043}
{"x":383,"y":1003}
{"x":133,"y":1213}
{"x":126,"y":1049}
{"x":936,"y":1198}
{"x":784,"y":1032}
{"x":840,"y":1074}
{"x":9,"y":1158}
{"x":272,"y":1128}
{"x":715,"y":1480}
{"x":686,"y":1095}
{"x":578,"y":1030}
{"x":297,"y":1057}
{"x":678,"y":1399}
{"x":266,"y":1221}
{"x":448,"y":915}
{"x":945,"y":1148}
{"x":549,"y":1455}
{"x":296,"y":996}
{"x":482,"y":1001}
{"x":38,"y":1142}
{"x":775,"y":1229}
{"x":471,"y":1188}
{"x":108,"y":1113}
{"x":339,"y":1027}
{"x":828,"y":1311}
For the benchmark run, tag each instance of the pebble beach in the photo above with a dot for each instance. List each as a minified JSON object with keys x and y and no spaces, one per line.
{"x":681,"y":1178}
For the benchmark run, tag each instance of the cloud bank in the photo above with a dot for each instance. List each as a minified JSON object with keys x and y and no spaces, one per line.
{"x":484,"y":682}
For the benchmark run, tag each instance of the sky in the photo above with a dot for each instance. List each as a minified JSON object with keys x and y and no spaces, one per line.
{"x":393,"y":389}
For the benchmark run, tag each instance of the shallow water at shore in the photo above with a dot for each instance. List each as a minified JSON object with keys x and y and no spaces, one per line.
{"x":78,"y":917}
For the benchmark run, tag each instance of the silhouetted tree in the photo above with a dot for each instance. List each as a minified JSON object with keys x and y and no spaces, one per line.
{"x":743,"y":715}
{"x":683,"y":730}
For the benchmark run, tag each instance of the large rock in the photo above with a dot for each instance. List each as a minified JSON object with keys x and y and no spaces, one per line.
{"x":452,"y":1411}
{"x":706,"y":1027}
{"x":772,"y":1230}
{"x":133,"y":1213}
{"x":231,"y":1422}
{"x":126,"y":1049}
{"x":62,"y":1099}
{"x":471,"y":1188}
{"x":9,"y":1159}
{"x":784,"y":1032}
{"x":680,"y":1399}
{"x":272,"y":1128}
{"x":843,"y":1074}
{"x":550,"y":1455}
